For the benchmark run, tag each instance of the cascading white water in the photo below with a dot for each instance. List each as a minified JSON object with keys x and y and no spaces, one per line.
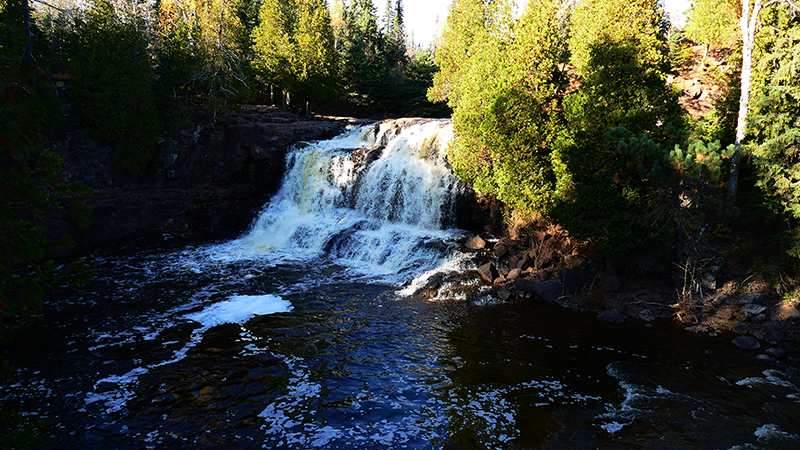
{"x":378,"y":198}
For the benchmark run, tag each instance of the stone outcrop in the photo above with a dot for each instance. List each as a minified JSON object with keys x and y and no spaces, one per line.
{"x":214,"y":179}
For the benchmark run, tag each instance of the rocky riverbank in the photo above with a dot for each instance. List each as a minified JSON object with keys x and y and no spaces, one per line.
{"x":543,"y":263}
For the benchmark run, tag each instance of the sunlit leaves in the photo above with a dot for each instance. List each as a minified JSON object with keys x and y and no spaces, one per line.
{"x":501,"y":76}
{"x":294,"y":47}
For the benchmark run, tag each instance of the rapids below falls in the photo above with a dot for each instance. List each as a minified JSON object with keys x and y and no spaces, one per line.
{"x":302,"y":334}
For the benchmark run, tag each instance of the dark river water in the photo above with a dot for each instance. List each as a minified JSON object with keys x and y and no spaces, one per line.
{"x":300,"y":335}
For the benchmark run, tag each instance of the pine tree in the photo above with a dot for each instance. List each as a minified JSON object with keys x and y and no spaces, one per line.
{"x":363,"y":60}
{"x":774,"y":123}
{"x":501,"y":77}
{"x":314,"y":60}
{"x":203,"y":50}
{"x":31,"y":191}
{"x":294,"y":48}
{"x":619,"y":52}
{"x":114,"y":84}
{"x":749,"y":25}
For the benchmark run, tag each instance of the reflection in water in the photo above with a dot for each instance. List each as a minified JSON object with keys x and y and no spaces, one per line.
{"x":298,"y":335}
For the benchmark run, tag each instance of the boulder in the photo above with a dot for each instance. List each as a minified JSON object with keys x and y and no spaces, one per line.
{"x":571,"y":280}
{"x":776,"y":352}
{"x":549,"y":291}
{"x":488,"y":272}
{"x":746,"y":343}
{"x":501,"y":250}
{"x":504,"y":292}
{"x":765,"y":359}
{"x":514,"y":274}
{"x":611,"y":317}
{"x":475,"y":243}
{"x":525,"y":287}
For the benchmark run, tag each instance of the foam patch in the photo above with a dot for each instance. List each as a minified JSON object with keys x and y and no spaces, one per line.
{"x":240,"y":309}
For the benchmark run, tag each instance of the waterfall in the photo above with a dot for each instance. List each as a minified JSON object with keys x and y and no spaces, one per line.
{"x":380,"y":198}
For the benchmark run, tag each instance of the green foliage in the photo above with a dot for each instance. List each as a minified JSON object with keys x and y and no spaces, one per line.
{"x":31,"y":190}
{"x":701,"y":160}
{"x":638,"y":27}
{"x":714,"y":22}
{"x":202,"y":50}
{"x":294,"y":48}
{"x":113,"y":84}
{"x":680,"y":52}
{"x":773,"y":122}
{"x":501,"y":76}
{"x":621,"y":119}
{"x":363,"y":60}
{"x":418,"y":78}
{"x":314,"y":63}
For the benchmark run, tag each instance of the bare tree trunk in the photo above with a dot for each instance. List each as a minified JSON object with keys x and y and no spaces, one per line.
{"x":27,"y":19}
{"x":748,"y":24}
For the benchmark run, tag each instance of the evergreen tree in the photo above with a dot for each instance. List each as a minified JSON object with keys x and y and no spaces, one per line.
{"x":31,"y":192}
{"x":272,"y":41}
{"x":204,"y":50}
{"x":619,"y":51}
{"x":314,"y":61}
{"x":713,"y":22}
{"x":773,"y":122}
{"x":294,"y":48}
{"x":749,"y":25}
{"x":418,"y":79}
{"x":362,"y":59}
{"x":114,"y":84}
{"x":502,"y":79}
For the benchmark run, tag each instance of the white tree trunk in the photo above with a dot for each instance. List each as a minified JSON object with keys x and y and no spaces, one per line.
{"x":747,"y":23}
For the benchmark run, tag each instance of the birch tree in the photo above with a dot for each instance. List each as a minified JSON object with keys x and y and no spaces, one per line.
{"x":749,"y":26}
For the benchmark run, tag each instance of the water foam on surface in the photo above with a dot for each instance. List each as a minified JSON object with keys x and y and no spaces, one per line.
{"x":238,"y":309}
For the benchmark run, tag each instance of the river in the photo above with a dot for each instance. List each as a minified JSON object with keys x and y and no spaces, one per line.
{"x":301,"y":334}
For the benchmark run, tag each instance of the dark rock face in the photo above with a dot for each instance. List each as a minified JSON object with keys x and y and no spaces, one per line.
{"x":478,"y":212}
{"x":215,"y":179}
{"x":571,"y":280}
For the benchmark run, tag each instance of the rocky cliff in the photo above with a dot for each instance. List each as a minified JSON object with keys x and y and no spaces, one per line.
{"x":212,"y":181}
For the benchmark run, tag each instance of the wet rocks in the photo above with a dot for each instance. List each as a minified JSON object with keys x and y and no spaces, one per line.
{"x":746,"y":343}
{"x":475,"y":243}
{"x":611,"y":317}
{"x":776,"y":352}
{"x":548,"y":291}
{"x":525,"y":287}
{"x":488,"y":272}
{"x":765,"y":359}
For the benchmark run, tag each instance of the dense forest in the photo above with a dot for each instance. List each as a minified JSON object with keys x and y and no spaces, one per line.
{"x":562,"y":109}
